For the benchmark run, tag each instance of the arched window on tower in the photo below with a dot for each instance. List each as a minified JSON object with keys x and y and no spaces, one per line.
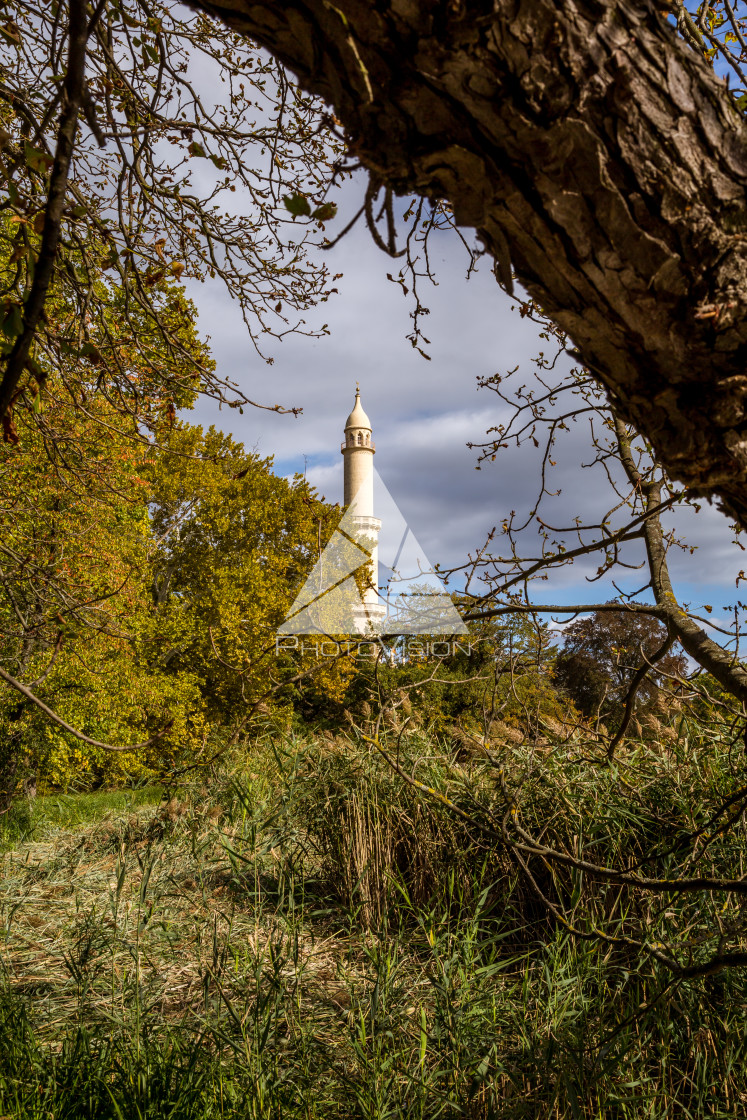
{"x":360,"y":437}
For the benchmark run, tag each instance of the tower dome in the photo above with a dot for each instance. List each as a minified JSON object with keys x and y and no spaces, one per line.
{"x":357,"y":418}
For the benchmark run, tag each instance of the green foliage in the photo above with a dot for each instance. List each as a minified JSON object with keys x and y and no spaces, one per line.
{"x":90,"y":536}
{"x":76,"y":605}
{"x":500,"y":670}
{"x":235,"y":544}
{"x":180,"y":567}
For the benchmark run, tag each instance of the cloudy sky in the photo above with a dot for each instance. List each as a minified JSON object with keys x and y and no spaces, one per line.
{"x":425,"y":412}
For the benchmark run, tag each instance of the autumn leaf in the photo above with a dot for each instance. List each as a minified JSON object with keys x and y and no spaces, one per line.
{"x":10,"y":435}
{"x":36,"y":159}
{"x":10,"y":31}
{"x":297,"y":205}
{"x":325,"y":212}
{"x":91,"y":351}
{"x":11,"y":323}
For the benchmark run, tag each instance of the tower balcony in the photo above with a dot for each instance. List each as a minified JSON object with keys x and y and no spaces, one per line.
{"x":358,"y":447}
{"x":369,"y":617}
{"x":365,"y":524}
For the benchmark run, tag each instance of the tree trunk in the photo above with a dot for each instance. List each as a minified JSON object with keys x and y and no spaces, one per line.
{"x":591,"y":149}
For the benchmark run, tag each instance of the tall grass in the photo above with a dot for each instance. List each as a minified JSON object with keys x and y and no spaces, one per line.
{"x":310,"y":939}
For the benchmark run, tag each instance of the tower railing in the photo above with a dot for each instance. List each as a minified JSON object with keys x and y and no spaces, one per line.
{"x":358,"y":447}
{"x":365,"y":523}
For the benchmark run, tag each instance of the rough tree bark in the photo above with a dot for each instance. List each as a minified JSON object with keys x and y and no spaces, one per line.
{"x":591,"y":149}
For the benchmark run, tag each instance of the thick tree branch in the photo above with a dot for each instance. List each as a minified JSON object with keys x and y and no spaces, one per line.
{"x":587,"y":143}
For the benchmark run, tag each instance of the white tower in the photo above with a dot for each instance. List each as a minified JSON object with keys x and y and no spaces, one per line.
{"x":358,"y":451}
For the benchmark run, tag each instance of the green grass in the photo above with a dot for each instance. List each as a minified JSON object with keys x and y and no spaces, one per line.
{"x":306,"y":939}
{"x":59,"y":811}
{"x":71,"y":810}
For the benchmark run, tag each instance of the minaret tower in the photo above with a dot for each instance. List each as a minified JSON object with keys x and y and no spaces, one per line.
{"x":358,"y":451}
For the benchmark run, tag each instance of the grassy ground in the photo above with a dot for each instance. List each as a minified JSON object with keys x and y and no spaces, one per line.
{"x":60,"y":811}
{"x":306,"y":939}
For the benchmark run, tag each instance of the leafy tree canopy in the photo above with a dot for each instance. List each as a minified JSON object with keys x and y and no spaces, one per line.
{"x":601,"y":655}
